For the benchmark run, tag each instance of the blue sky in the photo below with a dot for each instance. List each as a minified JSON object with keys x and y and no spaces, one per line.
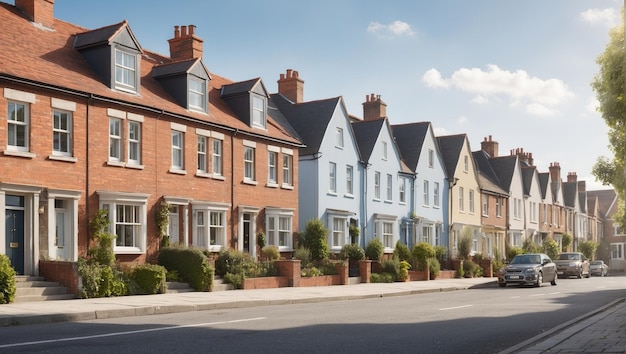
{"x":519,"y":71}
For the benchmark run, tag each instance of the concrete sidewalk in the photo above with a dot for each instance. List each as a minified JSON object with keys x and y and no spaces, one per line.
{"x":25,"y":313}
{"x":600,"y":331}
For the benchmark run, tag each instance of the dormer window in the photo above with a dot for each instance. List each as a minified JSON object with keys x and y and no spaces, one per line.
{"x":197,"y":94}
{"x":125,"y":71}
{"x":258,"y":111}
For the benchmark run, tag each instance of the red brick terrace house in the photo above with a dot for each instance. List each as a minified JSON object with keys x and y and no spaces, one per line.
{"x":90,"y":120}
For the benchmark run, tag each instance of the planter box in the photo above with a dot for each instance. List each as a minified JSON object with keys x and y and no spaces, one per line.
{"x":418,"y":275}
{"x":446,"y":274}
{"x":323,"y":280}
{"x":265,"y":283}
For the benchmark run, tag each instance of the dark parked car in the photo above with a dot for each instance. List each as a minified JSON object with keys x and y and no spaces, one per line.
{"x":598,"y":268}
{"x":530,"y":268}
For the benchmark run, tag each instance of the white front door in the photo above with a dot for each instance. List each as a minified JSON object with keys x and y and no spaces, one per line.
{"x":62,"y":244}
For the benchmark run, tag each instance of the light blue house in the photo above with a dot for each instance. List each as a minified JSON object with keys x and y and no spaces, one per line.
{"x":329,"y":165}
{"x":420,"y":152}
{"x":386,"y":180}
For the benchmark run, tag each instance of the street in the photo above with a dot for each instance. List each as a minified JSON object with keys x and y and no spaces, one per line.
{"x":484,"y":320}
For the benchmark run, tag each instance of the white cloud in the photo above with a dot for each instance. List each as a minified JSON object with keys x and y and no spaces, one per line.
{"x":394,"y":29}
{"x":592,"y":105}
{"x":608,"y":17}
{"x":440,"y":131}
{"x":462,"y":120}
{"x":480,"y":100}
{"x":432,"y":78}
{"x":539,"y":96}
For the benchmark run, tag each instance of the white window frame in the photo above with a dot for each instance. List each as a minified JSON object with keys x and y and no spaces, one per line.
{"x":499,"y":202}
{"x":287,"y":168}
{"x":128,"y":73}
{"x":134,"y":142}
{"x":62,"y":135}
{"x":485,"y":211}
{"x":402,"y":190}
{"x":471,"y":201}
{"x":258,"y":112}
{"x":465,"y":163}
{"x":426,"y":193}
{"x":115,"y":139}
{"x":18,"y":129}
{"x":431,"y":158}
{"x":338,"y":234}
{"x":110,"y":201}
{"x":377,"y":185}
{"x":217,"y":146}
{"x":436,"y":195}
{"x":384,"y":143}
{"x":349,"y":180}
{"x":249,"y":153}
{"x":197,"y":94}
{"x":339,"y":138}
{"x":461,"y":199}
{"x":617,"y":251}
{"x":272,"y":168}
{"x":202,"y":158}
{"x":203,"y":228}
{"x":332,"y":177}
{"x":387,"y":234}
{"x":178,"y":150}
{"x":389,"y":196}
{"x":279,"y":234}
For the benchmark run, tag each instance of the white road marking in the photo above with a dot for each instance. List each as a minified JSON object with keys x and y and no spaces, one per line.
{"x":454,"y":308}
{"x":538,"y":294}
{"x":114,"y":334}
{"x":515,"y":297}
{"x":556,"y":293}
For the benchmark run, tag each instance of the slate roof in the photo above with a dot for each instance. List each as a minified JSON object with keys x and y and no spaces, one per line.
{"x":504,"y":167}
{"x":487,"y":179}
{"x":366,"y":133}
{"x":528,"y":172}
{"x":410,"y":140}
{"x":309,"y":119}
{"x":544,"y":182}
{"x":240,"y":87}
{"x":569,"y":194}
{"x":174,"y":68}
{"x":450,"y":147}
{"x":606,"y":200}
{"x":50,"y":58}
{"x":102,"y":35}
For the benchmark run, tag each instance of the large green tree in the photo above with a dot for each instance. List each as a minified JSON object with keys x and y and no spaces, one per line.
{"x":609,"y":85}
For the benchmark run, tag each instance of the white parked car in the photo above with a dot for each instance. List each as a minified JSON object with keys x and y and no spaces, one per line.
{"x":598,"y":268}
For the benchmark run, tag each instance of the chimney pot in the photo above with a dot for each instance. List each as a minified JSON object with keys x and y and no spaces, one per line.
{"x":185,"y":45}
{"x":291,"y":86}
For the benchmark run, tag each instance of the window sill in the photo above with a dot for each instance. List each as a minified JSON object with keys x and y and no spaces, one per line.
{"x":62,"y":158}
{"x":271,"y":185}
{"x":177,"y":171}
{"x":218,"y":177}
{"x":203,"y":174}
{"x":348,"y":195}
{"x":134,"y":166}
{"x":115,"y":163}
{"x":26,"y":154}
{"x":334,"y":194}
{"x":376,"y":199}
{"x":287,"y":186}
{"x":402,"y":203}
{"x":425,"y":206}
{"x":388,"y":201}
{"x":128,"y":250}
{"x":250,"y":182}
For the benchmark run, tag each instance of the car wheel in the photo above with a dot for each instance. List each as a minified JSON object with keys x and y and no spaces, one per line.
{"x":502,"y":285}
{"x":539,"y":280}
{"x":580,"y":274}
{"x":553,"y":282}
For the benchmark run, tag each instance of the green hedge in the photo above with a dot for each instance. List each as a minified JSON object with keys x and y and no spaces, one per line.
{"x":146,"y":279}
{"x":7,"y":280}
{"x":191,"y":264}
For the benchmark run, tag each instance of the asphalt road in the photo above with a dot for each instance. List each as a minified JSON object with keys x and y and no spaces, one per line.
{"x":470,"y":321}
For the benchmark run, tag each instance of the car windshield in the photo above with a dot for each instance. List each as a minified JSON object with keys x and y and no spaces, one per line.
{"x":526,"y":259}
{"x":596,"y":263}
{"x":569,"y":257}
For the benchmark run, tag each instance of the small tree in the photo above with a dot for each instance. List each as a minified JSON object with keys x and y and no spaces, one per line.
{"x":315,"y":239}
{"x":421,"y":252}
{"x":566,"y":240}
{"x":588,"y":248}
{"x":465,"y":243}
{"x":374,"y":249}
{"x":402,"y":251}
{"x":550,"y":247}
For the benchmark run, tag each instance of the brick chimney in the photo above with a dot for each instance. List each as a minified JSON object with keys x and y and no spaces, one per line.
{"x":555,"y":171}
{"x":490,"y":146}
{"x":571,"y":177}
{"x":374,"y":108}
{"x":38,"y":11}
{"x":185,"y":44}
{"x":526,"y":157}
{"x":291,"y":86}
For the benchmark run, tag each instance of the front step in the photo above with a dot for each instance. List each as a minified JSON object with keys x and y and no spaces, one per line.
{"x":174,"y":287}
{"x":32,"y":288}
{"x":219,"y":285}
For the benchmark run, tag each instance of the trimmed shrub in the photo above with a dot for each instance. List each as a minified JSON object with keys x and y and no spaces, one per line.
{"x":550,"y":247}
{"x":566,"y":240}
{"x":420,"y":253}
{"x":513,"y":251}
{"x":434,"y":267}
{"x":374,"y":249}
{"x":191,"y":264}
{"x":315,"y":239}
{"x":7,"y":280}
{"x":352,"y":252}
{"x":440,"y":253}
{"x":100,"y":280}
{"x":465,"y":243}
{"x":391,"y":266}
{"x":402,"y":251}
{"x":588,"y":248}
{"x":270,"y":253}
{"x":530,"y":247}
{"x":382,"y":278}
{"x":304,"y":255}
{"x":146,"y":279}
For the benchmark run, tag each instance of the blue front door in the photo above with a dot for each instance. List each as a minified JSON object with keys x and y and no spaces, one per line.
{"x":14,"y":232}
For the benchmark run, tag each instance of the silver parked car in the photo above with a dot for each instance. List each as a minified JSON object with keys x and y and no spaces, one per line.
{"x":598,"y":268}
{"x":530,"y":268}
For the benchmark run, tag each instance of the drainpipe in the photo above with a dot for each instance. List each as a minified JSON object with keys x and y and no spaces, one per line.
{"x":232,"y":187}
